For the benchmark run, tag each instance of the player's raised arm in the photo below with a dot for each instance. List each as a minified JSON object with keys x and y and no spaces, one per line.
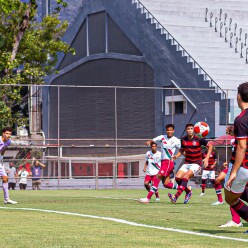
{"x":148,"y":143}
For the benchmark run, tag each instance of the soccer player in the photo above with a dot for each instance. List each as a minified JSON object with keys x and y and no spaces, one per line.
{"x":151,"y":167}
{"x":237,"y":175}
{"x":169,"y":144}
{"x":4,"y":143}
{"x":209,"y":172}
{"x":191,"y":148}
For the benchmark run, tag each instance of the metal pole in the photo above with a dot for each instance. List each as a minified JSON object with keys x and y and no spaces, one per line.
{"x":116,"y":150}
{"x":172,"y":107}
{"x":70,"y":169}
{"x":227,"y":113}
{"x":96,"y":163}
{"x":58,"y":141}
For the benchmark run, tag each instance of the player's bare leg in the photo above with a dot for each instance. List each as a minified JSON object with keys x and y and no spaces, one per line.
{"x":237,"y":205}
{"x":184,"y":176}
{"x":218,"y":187}
{"x":6,"y":191}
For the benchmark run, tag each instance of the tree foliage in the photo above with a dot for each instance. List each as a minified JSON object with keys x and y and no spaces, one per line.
{"x":28,"y":52}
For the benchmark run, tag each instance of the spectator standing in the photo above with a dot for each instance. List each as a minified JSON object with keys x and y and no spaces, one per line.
{"x":36,"y":169}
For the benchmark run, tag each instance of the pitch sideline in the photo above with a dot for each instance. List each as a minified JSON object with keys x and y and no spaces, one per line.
{"x":128,"y":223}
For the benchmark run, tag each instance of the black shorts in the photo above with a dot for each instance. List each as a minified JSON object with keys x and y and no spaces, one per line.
{"x":22,"y":186}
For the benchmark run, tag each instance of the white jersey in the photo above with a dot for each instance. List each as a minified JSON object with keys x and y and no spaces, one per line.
{"x":154,"y":163}
{"x":24,"y":176}
{"x":168,"y":145}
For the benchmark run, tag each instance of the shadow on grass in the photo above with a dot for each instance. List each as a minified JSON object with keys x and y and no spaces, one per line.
{"x":220,"y":231}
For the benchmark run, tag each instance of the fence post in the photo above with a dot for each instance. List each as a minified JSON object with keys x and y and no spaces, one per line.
{"x":58,"y":182}
{"x":116,"y":143}
{"x":96,"y":163}
{"x":70,"y":169}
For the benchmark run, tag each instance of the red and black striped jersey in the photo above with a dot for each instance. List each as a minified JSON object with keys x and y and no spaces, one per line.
{"x":192,"y":149}
{"x":211,"y":160}
{"x":241,"y":133}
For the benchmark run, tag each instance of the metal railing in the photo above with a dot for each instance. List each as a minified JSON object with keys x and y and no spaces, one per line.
{"x":154,"y":20}
{"x":233,"y":33}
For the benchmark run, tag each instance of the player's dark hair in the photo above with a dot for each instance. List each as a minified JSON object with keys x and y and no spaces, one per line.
{"x":189,"y":125}
{"x":170,"y":125}
{"x":153,"y":143}
{"x":9,"y":129}
{"x":243,"y":91}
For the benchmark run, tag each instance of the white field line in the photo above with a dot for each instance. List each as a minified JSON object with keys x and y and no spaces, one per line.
{"x":128,"y":223}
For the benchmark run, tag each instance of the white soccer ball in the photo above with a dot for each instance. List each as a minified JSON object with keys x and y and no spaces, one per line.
{"x":201,"y":129}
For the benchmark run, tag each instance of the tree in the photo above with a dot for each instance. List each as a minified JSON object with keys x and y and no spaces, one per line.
{"x":28,"y":52}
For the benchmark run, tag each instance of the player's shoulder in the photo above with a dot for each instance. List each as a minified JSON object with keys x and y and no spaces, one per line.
{"x":158,"y":153}
{"x":148,"y":152}
{"x":159,"y":137}
{"x":175,"y":138}
{"x":243,"y":116}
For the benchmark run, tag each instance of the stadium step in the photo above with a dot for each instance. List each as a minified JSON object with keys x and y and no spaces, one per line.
{"x":185,"y":20}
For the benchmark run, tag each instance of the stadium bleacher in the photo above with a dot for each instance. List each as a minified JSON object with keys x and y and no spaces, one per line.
{"x":185,"y":20}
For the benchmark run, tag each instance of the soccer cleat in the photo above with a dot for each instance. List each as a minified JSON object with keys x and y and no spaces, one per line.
{"x":8,"y":201}
{"x":202,"y":194}
{"x":157,"y":199}
{"x":231,"y":223}
{"x":217,"y":203}
{"x":172,"y":198}
{"x":143,"y":200}
{"x":188,"y":196}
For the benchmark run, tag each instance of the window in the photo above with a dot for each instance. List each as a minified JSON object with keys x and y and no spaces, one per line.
{"x":175,"y":105}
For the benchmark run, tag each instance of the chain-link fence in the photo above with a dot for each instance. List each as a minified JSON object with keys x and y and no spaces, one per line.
{"x":94,"y":136}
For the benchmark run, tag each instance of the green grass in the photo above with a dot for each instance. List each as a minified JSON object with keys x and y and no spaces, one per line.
{"x":24,"y":228}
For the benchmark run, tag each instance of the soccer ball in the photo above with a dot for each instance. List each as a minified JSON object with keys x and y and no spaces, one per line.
{"x":201,"y":129}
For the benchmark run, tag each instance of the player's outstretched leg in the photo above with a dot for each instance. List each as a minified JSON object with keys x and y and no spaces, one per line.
{"x":218,"y":187}
{"x":235,"y":222}
{"x":172,"y":198}
{"x":149,"y":196}
{"x":7,"y":200}
{"x":188,"y":195}
{"x":203,"y":186}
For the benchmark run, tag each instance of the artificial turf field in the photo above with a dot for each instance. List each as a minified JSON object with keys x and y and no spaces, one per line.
{"x":22,"y":226}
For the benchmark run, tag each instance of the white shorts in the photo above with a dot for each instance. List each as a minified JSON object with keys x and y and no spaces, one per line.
{"x":2,"y":170}
{"x":193,"y":167}
{"x":239,"y":183}
{"x":208,"y":174}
